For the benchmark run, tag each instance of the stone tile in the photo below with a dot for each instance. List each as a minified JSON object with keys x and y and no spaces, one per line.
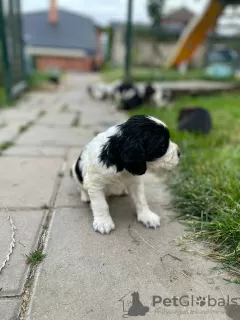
{"x":28,"y":182}
{"x":100,"y":117}
{"x":27,"y":225}
{"x":45,"y":136}
{"x":86,"y":274}
{"x":68,"y":194}
{"x":9,"y":309}
{"x":11,"y":130}
{"x":73,"y":154}
{"x":34,"y":151}
{"x":57,"y":119}
{"x":15,"y":114}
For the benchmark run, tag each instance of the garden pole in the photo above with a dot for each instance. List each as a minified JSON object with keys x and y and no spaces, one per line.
{"x":128,"y":42}
{"x":4,"y":53}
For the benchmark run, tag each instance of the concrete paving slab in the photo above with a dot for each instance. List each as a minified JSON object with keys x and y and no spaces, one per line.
{"x":57,"y":119}
{"x":15,"y":114}
{"x":34,"y":151}
{"x":9,"y":309}
{"x":28,"y":182}
{"x":100,"y":272}
{"x":11,"y":130}
{"x":68,"y":194}
{"x":101,"y":116}
{"x":13,"y":276}
{"x":44,"y":136}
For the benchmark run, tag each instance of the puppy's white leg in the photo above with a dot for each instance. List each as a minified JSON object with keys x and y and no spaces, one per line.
{"x":144,"y":214}
{"x":102,"y":221}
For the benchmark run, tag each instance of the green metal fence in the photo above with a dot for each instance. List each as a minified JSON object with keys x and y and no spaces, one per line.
{"x":11,"y":47}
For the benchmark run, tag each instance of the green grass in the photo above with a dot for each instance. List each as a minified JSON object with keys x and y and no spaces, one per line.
{"x":3,"y":98}
{"x":207,"y":182}
{"x":25,"y":127}
{"x":157,"y":74}
{"x":41,"y":113}
{"x":35,"y":257}
{"x":5,"y":145}
{"x":35,"y":79}
{"x":45,"y":207}
{"x":64,"y":108}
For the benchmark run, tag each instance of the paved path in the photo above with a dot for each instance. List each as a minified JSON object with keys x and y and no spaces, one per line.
{"x":86,"y":275}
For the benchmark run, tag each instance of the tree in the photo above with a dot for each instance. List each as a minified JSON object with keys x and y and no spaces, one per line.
{"x":155,"y":12}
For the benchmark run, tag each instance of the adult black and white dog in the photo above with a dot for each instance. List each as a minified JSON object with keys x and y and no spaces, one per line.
{"x":114,"y":161}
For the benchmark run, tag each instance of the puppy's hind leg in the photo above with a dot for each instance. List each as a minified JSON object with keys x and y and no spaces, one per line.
{"x":116,"y":189}
{"x":84,"y":196}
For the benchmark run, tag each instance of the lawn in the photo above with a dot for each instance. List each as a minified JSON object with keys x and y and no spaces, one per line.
{"x":3,"y":98}
{"x":206,"y":184}
{"x":157,"y":74}
{"x":35,"y":79}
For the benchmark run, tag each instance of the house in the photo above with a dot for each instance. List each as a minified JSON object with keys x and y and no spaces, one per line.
{"x":182,"y":16}
{"x":147,"y":51}
{"x":62,"y":39}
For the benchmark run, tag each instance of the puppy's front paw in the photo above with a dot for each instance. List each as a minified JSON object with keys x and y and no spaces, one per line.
{"x":149,"y":219}
{"x":103,"y":225}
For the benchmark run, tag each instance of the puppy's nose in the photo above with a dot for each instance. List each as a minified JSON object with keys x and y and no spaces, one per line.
{"x":178,"y":153}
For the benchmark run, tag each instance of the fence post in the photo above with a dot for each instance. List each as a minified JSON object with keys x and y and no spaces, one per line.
{"x":128,"y":43}
{"x":5,"y":61}
{"x":21,"y":39}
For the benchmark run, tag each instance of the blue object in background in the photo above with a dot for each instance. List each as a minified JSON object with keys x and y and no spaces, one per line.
{"x":219,"y":70}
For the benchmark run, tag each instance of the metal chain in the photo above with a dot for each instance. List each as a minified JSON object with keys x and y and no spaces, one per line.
{"x":12,"y":244}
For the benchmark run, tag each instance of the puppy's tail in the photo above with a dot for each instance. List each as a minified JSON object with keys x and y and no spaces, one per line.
{"x":76,"y":172}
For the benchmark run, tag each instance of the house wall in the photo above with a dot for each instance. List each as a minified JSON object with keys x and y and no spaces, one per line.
{"x":67,"y":64}
{"x":148,"y":53}
{"x":143,"y":52}
{"x":118,"y":49}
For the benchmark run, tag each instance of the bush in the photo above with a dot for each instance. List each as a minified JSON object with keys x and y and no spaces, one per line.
{"x":3,"y":98}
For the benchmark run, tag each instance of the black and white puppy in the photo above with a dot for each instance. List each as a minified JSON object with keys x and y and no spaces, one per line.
{"x":130,"y":97}
{"x":114,"y":161}
{"x":102,"y":91}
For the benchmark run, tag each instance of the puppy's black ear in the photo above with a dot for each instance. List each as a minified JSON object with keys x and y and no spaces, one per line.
{"x":133,"y":159}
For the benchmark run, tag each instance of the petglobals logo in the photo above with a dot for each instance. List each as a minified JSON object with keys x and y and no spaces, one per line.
{"x":194,"y":301}
{"x":135,"y":304}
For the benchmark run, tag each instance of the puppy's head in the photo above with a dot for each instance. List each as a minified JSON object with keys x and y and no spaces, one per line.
{"x":141,"y":142}
{"x":148,"y":144}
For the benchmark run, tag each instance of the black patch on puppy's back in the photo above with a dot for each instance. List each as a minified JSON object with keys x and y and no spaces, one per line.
{"x":139,"y":140}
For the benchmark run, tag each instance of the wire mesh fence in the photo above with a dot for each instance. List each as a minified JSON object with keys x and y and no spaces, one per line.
{"x":12,"y":63}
